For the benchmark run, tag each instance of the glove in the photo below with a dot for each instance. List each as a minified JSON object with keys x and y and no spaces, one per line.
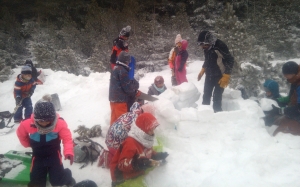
{"x":224,"y":81}
{"x":160,"y":156}
{"x":30,"y":93}
{"x":140,"y":163}
{"x":283,"y":99}
{"x":138,"y":93}
{"x":70,"y":157}
{"x":18,"y":100}
{"x":201,"y":74}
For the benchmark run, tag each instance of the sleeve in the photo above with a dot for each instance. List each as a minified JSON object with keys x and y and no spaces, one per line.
{"x":121,"y":44}
{"x":113,"y":56}
{"x":150,"y":91}
{"x":205,"y":60}
{"x":228,"y":60}
{"x":126,"y":157}
{"x":17,"y":89}
{"x":33,"y":86}
{"x":298,"y":97}
{"x":23,"y":135}
{"x":66,"y":137}
{"x":171,"y":58}
{"x":128,"y":86}
{"x":184,"y":57}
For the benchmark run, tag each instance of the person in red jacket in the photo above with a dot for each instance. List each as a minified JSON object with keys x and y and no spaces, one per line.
{"x":43,"y":132}
{"x":119,"y":44}
{"x":135,"y":154}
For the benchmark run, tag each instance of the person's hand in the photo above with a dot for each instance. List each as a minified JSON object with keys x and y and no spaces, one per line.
{"x":142,"y":163}
{"x":201,"y":74}
{"x":138,"y":93}
{"x":224,"y":81}
{"x":160,"y":156}
{"x":18,"y":100}
{"x":70,"y":157}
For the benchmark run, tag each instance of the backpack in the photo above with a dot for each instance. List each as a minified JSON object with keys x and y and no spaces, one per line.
{"x":86,"y":150}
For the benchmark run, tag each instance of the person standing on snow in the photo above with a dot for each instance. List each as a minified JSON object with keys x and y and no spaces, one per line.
{"x":291,"y":71}
{"x":121,"y":87}
{"x":217,"y":66}
{"x":43,"y":132}
{"x":23,"y":90}
{"x":157,"y":87}
{"x":119,"y":44}
{"x":180,"y":62}
{"x":172,"y":57}
{"x":136,"y":153}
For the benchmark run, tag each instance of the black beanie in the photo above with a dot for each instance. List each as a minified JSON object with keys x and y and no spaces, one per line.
{"x":290,"y":67}
{"x":29,"y":62}
{"x":202,"y":36}
{"x":44,"y":110}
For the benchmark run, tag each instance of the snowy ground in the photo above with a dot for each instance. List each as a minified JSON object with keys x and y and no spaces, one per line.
{"x":227,"y":149}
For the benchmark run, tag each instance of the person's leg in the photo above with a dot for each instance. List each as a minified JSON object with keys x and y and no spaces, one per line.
{"x":28,"y":107}
{"x":117,"y":109}
{"x":19,"y":114}
{"x":38,"y":173}
{"x":58,"y":176}
{"x":217,"y":96}
{"x":207,"y":93}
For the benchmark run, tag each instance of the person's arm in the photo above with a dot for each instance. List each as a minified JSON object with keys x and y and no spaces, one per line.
{"x":171,"y":58}
{"x":129,"y":86}
{"x":205,"y":60}
{"x":66,"y":137}
{"x":228,"y":60}
{"x":126,"y":158}
{"x":113,"y":56}
{"x":23,"y":135}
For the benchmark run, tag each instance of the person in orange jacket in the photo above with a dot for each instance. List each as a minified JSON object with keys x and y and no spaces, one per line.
{"x":217,"y":66}
{"x":119,"y":44}
{"x":43,"y":132}
{"x":135,"y":154}
{"x":172,"y":56}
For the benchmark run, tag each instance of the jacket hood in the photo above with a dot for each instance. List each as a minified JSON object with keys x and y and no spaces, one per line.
{"x":273,"y":87}
{"x":184,"y":44}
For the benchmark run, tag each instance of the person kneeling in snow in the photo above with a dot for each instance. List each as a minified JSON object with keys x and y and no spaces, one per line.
{"x":291,"y":71}
{"x":135,"y":155}
{"x":157,"y":87}
{"x":121,"y":87}
{"x":43,"y":132}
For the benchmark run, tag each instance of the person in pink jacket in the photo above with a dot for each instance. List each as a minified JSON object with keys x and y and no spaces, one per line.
{"x":180,"y":62}
{"x":43,"y":132}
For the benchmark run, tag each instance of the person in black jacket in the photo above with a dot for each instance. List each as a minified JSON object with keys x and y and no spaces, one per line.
{"x":217,"y":66}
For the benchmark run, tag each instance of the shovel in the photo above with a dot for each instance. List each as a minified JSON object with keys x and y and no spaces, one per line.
{"x":2,"y":123}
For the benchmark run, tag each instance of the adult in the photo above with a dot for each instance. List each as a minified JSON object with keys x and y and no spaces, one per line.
{"x":217,"y":66}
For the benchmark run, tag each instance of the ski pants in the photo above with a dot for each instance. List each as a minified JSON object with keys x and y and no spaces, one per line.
{"x":27,"y":104}
{"x":117,"y":109}
{"x":52,"y":165}
{"x":212,"y":88}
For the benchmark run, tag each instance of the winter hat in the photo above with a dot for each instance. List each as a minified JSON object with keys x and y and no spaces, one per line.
{"x":178,"y":39}
{"x":273,"y":87}
{"x":86,"y":183}
{"x":29,"y":62}
{"x":44,"y":109}
{"x":290,"y":67}
{"x":146,"y":122}
{"x":124,"y":57}
{"x":26,"y":70}
{"x":159,"y":80}
{"x":125,"y":31}
{"x":206,"y":37}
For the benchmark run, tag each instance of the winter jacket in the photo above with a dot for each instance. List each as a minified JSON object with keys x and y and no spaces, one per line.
{"x":22,"y":87}
{"x":218,"y":60}
{"x":153,"y":91}
{"x":119,"y":44}
{"x":121,"y":87}
{"x":44,"y":145}
{"x":180,"y":63}
{"x":122,"y":166}
{"x":172,"y":56}
{"x":118,"y":131}
{"x":294,"y":93}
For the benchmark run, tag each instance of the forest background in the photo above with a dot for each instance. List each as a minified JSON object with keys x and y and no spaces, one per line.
{"x":76,"y":35}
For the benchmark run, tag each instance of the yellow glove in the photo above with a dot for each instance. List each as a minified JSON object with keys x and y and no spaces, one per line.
{"x":224,"y":81}
{"x":201,"y":73}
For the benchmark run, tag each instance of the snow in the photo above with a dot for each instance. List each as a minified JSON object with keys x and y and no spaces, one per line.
{"x":206,"y":149}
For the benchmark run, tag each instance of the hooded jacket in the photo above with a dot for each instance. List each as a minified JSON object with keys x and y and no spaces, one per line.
{"x":294,"y":93}
{"x":22,"y":87}
{"x":46,"y":144}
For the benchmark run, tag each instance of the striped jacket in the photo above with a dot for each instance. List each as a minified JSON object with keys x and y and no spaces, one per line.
{"x":22,"y":87}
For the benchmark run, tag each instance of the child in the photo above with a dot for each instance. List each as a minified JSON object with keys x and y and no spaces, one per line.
{"x":135,"y":155}
{"x":43,"y":132}
{"x":121,"y":87}
{"x":172,"y":56}
{"x":157,"y":87}
{"x":23,"y":90}
{"x":180,"y":62}
{"x":34,"y":73}
{"x":119,"y":44}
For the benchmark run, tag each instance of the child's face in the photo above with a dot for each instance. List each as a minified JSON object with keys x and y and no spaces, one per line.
{"x":44,"y":123}
{"x":151,"y":132}
{"x":159,"y":84}
{"x":26,"y":76}
{"x":268,"y":94}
